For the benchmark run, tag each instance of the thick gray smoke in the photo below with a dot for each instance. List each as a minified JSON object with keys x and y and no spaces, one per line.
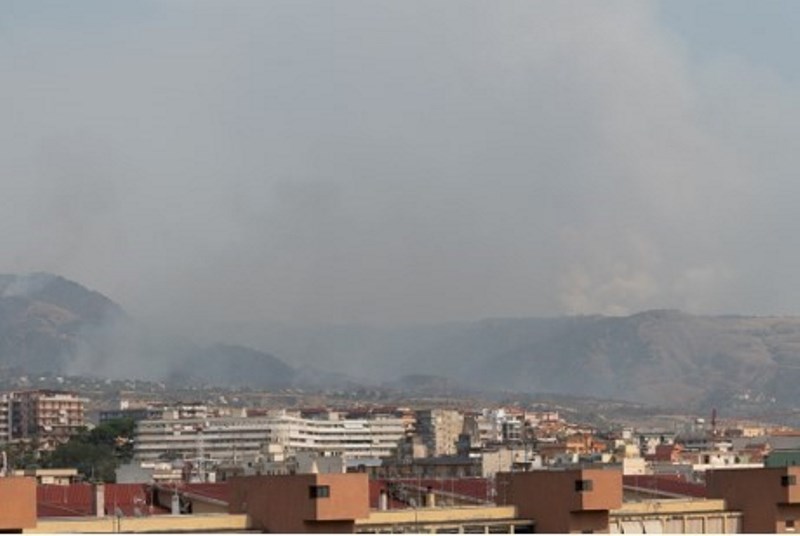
{"x":219,"y":166}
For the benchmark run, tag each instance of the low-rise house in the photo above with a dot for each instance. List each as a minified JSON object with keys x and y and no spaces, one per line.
{"x":58,"y":477}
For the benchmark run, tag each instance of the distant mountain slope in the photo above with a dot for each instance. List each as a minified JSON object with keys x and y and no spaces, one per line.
{"x":43,"y":320}
{"x":667,"y":358}
{"x":657,"y":357}
{"x":230,"y":365}
{"x":55,"y":290}
{"x":51,"y":324}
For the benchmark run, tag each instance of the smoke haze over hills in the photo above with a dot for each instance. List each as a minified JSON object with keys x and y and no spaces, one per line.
{"x":296,"y":163}
{"x":351,"y":187}
{"x":663,"y":358}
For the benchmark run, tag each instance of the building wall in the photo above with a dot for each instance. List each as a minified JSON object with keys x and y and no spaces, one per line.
{"x":203,"y":507}
{"x":439,"y":429}
{"x":676,"y":516}
{"x":159,"y":524}
{"x":349,"y":497}
{"x":17,"y":503}
{"x":506,"y":458}
{"x":787,"y":518}
{"x":281,"y":503}
{"x":588,"y":521}
{"x":552,"y":500}
{"x":59,"y":477}
{"x":766,"y":503}
{"x":469,"y":519}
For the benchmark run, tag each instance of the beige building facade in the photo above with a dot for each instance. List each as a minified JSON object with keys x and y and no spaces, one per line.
{"x":439,"y":430}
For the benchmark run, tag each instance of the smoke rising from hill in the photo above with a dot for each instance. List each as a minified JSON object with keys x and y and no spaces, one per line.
{"x":221,"y":166}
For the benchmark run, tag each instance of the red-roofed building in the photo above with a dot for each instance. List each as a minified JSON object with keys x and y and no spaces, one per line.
{"x":79,"y":500}
{"x":667,"y":453}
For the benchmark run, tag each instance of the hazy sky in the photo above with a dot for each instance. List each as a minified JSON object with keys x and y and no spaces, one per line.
{"x":261,"y":162}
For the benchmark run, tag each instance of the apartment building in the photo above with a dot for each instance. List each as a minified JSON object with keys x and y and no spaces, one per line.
{"x":244,"y":439}
{"x":439,"y":429}
{"x":5,"y":418}
{"x":47,"y":416}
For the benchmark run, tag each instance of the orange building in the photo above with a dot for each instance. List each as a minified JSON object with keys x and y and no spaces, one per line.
{"x":579,"y":443}
{"x":302,"y":503}
{"x":768,"y":498}
{"x":17,"y":504}
{"x":574,"y":500}
{"x":557,"y":501}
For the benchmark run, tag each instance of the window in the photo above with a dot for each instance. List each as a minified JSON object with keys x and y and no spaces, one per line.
{"x":789,"y":525}
{"x":583,"y":485}
{"x":319,"y":492}
{"x":788,"y":480}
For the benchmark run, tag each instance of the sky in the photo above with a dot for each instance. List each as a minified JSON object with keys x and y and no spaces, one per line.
{"x":291,"y":162}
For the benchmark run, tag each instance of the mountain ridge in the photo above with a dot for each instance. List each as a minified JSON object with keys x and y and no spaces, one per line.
{"x":51,"y":324}
{"x":661,"y":357}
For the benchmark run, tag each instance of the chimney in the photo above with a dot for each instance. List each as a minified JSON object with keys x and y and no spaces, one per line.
{"x":430,"y":498}
{"x":100,"y":500}
{"x":383,"y":501}
{"x":176,"y":504}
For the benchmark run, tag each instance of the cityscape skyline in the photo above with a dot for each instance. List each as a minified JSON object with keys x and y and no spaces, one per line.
{"x":371,"y":266}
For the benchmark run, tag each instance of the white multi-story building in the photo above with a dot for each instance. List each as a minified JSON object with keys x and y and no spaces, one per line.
{"x":241,"y":439}
{"x":5,"y":418}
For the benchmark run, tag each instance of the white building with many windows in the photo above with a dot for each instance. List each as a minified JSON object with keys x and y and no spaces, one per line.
{"x":243,"y":439}
{"x":5,"y":418}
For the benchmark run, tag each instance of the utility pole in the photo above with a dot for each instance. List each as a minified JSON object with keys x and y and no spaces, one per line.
{"x":201,"y":454}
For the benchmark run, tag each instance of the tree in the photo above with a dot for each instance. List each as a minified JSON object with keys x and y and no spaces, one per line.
{"x":22,"y":454}
{"x":97,"y":453}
